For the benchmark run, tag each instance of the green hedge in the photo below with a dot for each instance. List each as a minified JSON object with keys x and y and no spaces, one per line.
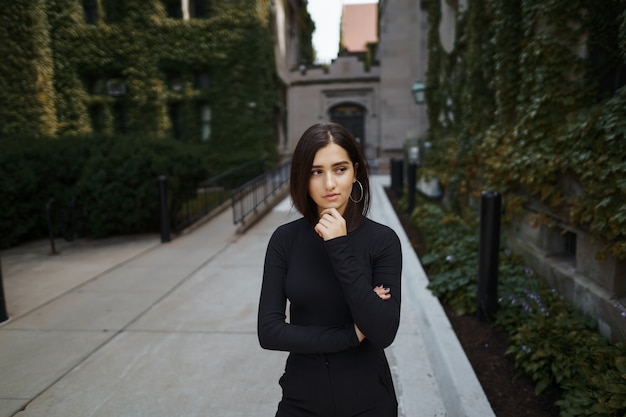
{"x":113,"y":178}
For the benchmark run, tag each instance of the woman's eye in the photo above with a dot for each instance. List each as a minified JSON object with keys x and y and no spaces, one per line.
{"x":341,"y":170}
{"x":316,"y":172}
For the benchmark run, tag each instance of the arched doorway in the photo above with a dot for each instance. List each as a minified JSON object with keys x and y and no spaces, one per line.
{"x":352,"y":117}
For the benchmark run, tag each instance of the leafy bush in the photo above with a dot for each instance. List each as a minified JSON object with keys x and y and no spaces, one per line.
{"x":549,"y":339}
{"x":119,"y":182}
{"x":113,"y":178}
{"x":34,"y":171}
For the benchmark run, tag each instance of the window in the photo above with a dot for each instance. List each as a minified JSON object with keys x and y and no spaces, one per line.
{"x":176,"y":118}
{"x":175,"y":81}
{"x":96,"y":116}
{"x":119,"y":117}
{"x":113,"y":10}
{"x":116,"y":87}
{"x":174,"y":8}
{"x":198,"y":8}
{"x":98,"y":85}
{"x":569,"y":244}
{"x":95,"y":84}
{"x":201,"y":80}
{"x":606,"y":65}
{"x":90,"y":8}
{"x":205,"y":122}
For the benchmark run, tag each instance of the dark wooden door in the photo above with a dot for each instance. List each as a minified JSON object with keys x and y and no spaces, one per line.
{"x":352,"y":117}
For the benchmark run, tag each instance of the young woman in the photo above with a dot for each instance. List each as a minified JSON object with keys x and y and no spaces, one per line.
{"x":340,"y":272}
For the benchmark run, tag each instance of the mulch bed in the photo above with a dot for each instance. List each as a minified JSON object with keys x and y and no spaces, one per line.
{"x":510,"y":394}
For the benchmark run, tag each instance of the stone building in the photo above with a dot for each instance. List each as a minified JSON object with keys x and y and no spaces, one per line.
{"x":372,"y":99}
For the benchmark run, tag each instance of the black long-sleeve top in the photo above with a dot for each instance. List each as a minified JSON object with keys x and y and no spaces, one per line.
{"x":329,"y":285}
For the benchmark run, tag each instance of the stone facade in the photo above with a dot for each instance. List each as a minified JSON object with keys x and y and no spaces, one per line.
{"x":403,"y":57}
{"x":381,"y":95}
{"x":315,"y":92}
{"x":567,"y":260}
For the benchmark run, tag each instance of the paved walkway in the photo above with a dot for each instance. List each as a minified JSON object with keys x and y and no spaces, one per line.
{"x":132,"y":327}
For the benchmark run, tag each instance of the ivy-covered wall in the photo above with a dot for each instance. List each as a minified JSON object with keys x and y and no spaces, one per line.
{"x":27,"y":99}
{"x":531,"y":102}
{"x":100,"y":97}
{"x":74,"y":67}
{"x":306,"y":27}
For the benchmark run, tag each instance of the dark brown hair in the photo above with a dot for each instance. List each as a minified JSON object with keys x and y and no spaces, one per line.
{"x":313,"y":139}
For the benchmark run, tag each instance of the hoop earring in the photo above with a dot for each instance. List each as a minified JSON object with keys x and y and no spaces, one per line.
{"x":362,"y":193}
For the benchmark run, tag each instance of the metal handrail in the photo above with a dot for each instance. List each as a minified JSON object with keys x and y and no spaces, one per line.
{"x":247,"y":198}
{"x":211,"y":193}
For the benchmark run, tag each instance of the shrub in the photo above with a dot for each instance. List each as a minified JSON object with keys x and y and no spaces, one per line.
{"x":549,"y":339}
{"x":114,"y":179}
{"x":119,"y":182}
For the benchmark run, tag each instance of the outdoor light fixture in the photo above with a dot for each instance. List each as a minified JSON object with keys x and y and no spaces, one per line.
{"x":419,"y":92}
{"x":414,"y":155}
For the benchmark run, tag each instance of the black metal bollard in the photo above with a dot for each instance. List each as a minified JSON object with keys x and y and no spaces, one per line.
{"x":487,"y":297}
{"x":49,"y":207}
{"x":410,"y":185}
{"x":397,"y":176}
{"x":165,"y":215}
{"x":3,"y":306}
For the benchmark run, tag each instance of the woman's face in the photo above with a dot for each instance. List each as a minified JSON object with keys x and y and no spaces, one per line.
{"x":332,"y":176}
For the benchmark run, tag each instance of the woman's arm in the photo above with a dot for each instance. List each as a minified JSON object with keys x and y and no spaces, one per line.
{"x":377,"y":318}
{"x":273,"y":331}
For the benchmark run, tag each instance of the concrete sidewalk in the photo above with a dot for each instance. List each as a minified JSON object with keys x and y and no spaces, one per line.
{"x":132,"y":327}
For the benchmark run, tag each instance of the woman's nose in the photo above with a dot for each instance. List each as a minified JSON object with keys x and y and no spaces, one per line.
{"x":330,"y":181}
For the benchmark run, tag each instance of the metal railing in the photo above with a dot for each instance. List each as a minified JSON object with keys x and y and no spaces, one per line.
{"x":191,"y":205}
{"x":247,"y":198}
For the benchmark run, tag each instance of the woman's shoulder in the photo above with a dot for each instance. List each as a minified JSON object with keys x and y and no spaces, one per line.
{"x":378,"y":234}
{"x":291,"y":228}
{"x":372,"y":227}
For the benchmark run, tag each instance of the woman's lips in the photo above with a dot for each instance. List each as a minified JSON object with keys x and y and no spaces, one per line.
{"x":331,"y":197}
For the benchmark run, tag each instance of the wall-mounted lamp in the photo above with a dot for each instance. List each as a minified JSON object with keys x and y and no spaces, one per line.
{"x":419,"y":92}
{"x":414,"y":155}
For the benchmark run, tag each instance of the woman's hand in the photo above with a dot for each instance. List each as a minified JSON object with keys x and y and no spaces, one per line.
{"x":382,"y":292}
{"x":331,"y":224}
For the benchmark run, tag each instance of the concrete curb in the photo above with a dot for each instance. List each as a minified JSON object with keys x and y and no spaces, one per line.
{"x":461,"y":392}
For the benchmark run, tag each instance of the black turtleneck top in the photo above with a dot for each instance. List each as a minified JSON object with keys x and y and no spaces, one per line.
{"x":329,"y":286}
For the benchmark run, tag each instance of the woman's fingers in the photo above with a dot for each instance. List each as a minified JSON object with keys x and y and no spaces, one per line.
{"x":382,"y":292}
{"x":331,"y":224}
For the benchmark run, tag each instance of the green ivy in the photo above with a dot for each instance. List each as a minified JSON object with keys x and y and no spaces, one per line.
{"x":518,"y":107}
{"x":550,"y":340}
{"x":62,"y":134}
{"x":26,"y":91}
{"x":51,"y":58}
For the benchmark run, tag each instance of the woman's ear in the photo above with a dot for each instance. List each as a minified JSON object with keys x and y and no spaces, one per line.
{"x":356,"y":166}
